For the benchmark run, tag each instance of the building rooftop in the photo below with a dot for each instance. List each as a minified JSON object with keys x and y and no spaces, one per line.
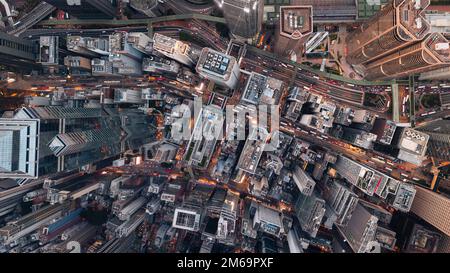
{"x":439,"y":46}
{"x":296,"y":21}
{"x":216,"y":63}
{"x":414,"y":25}
{"x":262,"y":89}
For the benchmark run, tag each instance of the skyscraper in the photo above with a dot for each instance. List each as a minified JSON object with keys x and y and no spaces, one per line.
{"x":17,"y":53}
{"x":81,"y":9}
{"x":174,"y":49}
{"x":398,"y":24}
{"x":433,"y":208}
{"x":44,"y":140}
{"x":430,"y":54}
{"x":360,"y":230}
{"x":18,"y":140}
{"x":296,"y":23}
{"x":439,"y":142}
{"x":244,"y":17}
{"x":218,"y":67}
{"x":310,"y":211}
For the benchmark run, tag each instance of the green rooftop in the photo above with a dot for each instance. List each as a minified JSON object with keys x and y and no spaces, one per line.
{"x":368,"y":8}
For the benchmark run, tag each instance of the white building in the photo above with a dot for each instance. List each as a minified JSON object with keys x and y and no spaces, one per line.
{"x":219,"y":68}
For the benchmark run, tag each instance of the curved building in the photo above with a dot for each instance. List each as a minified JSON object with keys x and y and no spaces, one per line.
{"x":397,"y":25}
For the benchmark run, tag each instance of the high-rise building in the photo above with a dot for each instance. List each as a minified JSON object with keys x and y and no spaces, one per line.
{"x":19,"y":139}
{"x":310,"y":211}
{"x":439,"y":142}
{"x":244,"y":17}
{"x":174,"y":49}
{"x":148,"y":7}
{"x":48,"y":139}
{"x":155,"y":64}
{"x":304,"y":181}
{"x":296,"y":23}
{"x":433,"y":208}
{"x":342,"y":202}
{"x":367,"y":180}
{"x":78,"y":65}
{"x":206,"y":133}
{"x":102,"y":67}
{"x":16,"y":53}
{"x":187,"y":218}
{"x":218,"y":67}
{"x":119,"y":45}
{"x":140,"y":41}
{"x":268,"y":220}
{"x":413,"y":146}
{"x":399,"y":24}
{"x":430,"y":54}
{"x":92,"y":9}
{"x":360,"y":230}
{"x":87,"y":46}
{"x":48,"y":50}
{"x":261,"y":89}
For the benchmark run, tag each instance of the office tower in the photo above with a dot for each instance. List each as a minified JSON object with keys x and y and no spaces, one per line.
{"x":430,"y":54}
{"x":207,"y":131}
{"x":68,"y":138}
{"x":439,"y":142}
{"x":166,"y":153}
{"x":364,"y":178}
{"x":83,"y":9}
{"x":413,"y":146}
{"x":78,"y":65}
{"x":303,"y":181}
{"x":119,"y":45}
{"x":17,"y":54}
{"x":310,"y":211}
{"x":385,"y":130}
{"x":140,"y":41}
{"x":148,"y":7}
{"x":253,"y":150}
{"x":244,"y":17}
{"x":102,"y":67}
{"x":296,"y":23}
{"x":87,"y":46}
{"x":422,"y":240}
{"x":48,"y":50}
{"x":358,"y":137}
{"x":342,"y":202}
{"x":261,"y":89}
{"x":122,"y":95}
{"x":187,"y":218}
{"x":360,"y":230}
{"x":268,"y":220}
{"x":433,"y":208}
{"x":174,"y":49}
{"x":19,"y":140}
{"x":219,"y":68}
{"x":399,"y":24}
{"x":155,"y":64}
